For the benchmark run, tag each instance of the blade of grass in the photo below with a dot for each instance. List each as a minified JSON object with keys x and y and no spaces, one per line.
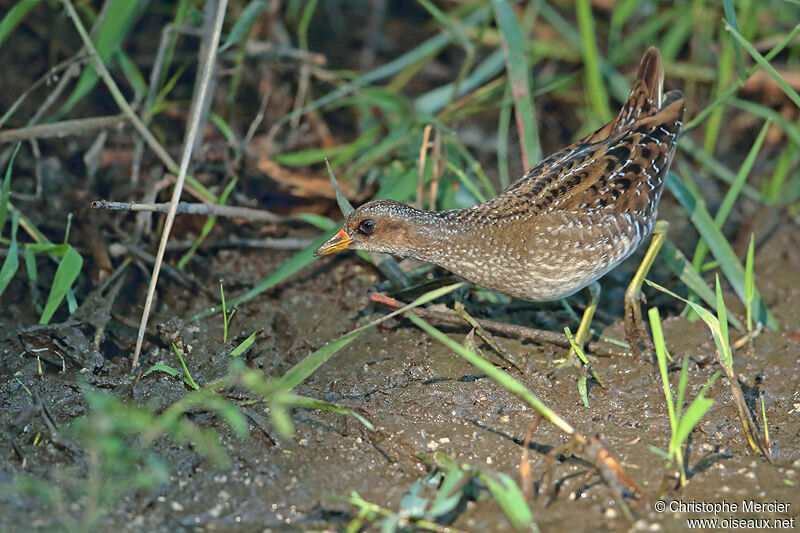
{"x":518,"y":75}
{"x":187,"y":376}
{"x":730,"y":91}
{"x":344,"y":204}
{"x":312,"y":403}
{"x":298,"y":261}
{"x":5,"y":190}
{"x":730,"y":14}
{"x":118,"y":18}
{"x":724,"y":70}
{"x":11,"y":262}
{"x":503,"y":123}
{"x":598,"y":97}
{"x":299,"y":372}
{"x":682,"y":268}
{"x":582,"y":388}
{"x":719,"y":246}
{"x":249,"y":15}
{"x":662,"y":355}
{"x":733,"y":193}
{"x":244,"y":345}
{"x":749,"y":282}
{"x":725,"y":360}
{"x":502,"y":378}
{"x":66,"y":274}
{"x":437,"y":99}
{"x":207,"y":226}
{"x":14,"y":16}
{"x":765,"y":64}
{"x":696,"y":410}
{"x":510,"y":499}
{"x":161,"y":367}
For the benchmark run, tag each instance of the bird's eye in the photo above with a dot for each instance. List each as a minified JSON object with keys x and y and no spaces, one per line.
{"x":366,"y":227}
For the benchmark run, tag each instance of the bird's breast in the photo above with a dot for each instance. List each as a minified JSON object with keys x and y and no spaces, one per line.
{"x":539,"y":260}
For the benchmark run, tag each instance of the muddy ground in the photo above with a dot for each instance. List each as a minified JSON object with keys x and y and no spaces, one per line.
{"x":419,"y":396}
{"x":71,"y":457}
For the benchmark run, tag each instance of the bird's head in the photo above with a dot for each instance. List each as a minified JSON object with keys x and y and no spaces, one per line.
{"x":379,"y":226}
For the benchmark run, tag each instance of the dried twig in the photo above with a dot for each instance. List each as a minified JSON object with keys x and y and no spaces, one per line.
{"x":187,"y":208}
{"x":191,"y":134}
{"x":61,"y":129}
{"x":268,"y":243}
{"x":512,"y":330}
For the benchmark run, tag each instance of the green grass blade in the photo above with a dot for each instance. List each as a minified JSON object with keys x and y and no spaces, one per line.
{"x":765,"y":64}
{"x":161,"y":367}
{"x":66,"y":273}
{"x":661,"y":356}
{"x":207,"y":226}
{"x":299,"y":372}
{"x":437,"y":99}
{"x":305,"y":21}
{"x":741,"y":176}
{"x":118,"y":20}
{"x":132,"y":73}
{"x":446,"y":22}
{"x":243,"y":24}
{"x":598,"y":97}
{"x":503,"y":124}
{"x":791,"y":130}
{"x":514,"y":47}
{"x":722,"y":317}
{"x":344,"y":204}
{"x":14,"y":16}
{"x":711,"y":321}
{"x":5,"y":190}
{"x":244,"y":345}
{"x":187,"y":376}
{"x":312,"y":403}
{"x":683,"y":382}
{"x":724,"y":69}
{"x":682,"y":268}
{"x":749,"y":281}
{"x":730,"y":91}
{"x":510,"y":499}
{"x":298,"y":261}
{"x":719,"y":246}
{"x":502,"y":378}
{"x":696,"y":410}
{"x":733,"y":193}
{"x":11,"y":262}
{"x":730,"y":14}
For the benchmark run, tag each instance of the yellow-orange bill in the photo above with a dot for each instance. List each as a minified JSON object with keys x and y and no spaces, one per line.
{"x":338,"y":242}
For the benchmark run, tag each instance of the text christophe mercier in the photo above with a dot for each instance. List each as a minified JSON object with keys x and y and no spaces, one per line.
{"x":745,"y":506}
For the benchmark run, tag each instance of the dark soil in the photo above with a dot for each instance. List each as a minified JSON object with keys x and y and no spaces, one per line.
{"x":420,"y":397}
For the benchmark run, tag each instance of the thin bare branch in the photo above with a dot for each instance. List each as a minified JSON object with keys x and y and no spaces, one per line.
{"x":187,"y":208}
{"x":191,"y":135}
{"x":64,"y":128}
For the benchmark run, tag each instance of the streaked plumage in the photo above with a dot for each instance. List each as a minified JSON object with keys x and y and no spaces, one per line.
{"x":561,"y":226}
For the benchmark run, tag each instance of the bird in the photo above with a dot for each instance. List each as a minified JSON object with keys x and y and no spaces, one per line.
{"x":560,"y":227}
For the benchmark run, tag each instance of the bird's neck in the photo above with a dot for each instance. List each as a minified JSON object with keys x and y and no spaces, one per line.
{"x":444,"y":237}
